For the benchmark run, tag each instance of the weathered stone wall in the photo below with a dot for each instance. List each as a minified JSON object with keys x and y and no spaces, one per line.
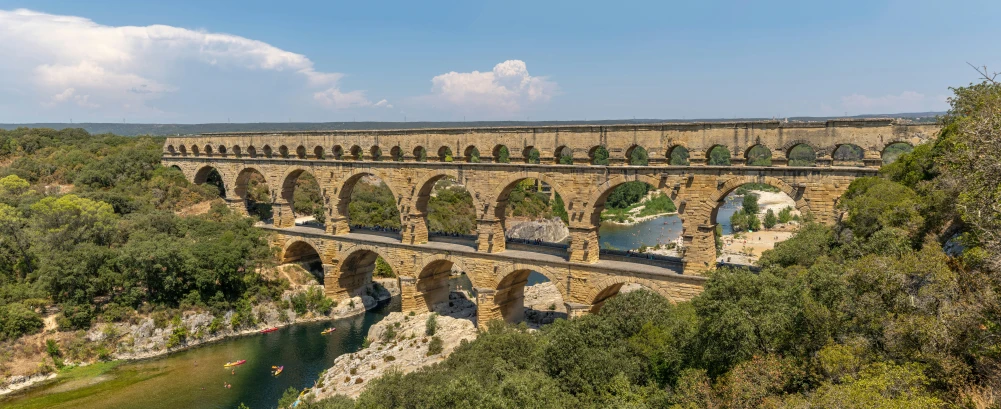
{"x":498,"y":278}
{"x":698,"y":190}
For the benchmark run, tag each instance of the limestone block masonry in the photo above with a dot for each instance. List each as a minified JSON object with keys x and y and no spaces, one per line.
{"x":472,"y":156}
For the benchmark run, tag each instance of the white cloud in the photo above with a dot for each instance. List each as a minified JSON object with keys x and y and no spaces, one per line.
{"x":908,"y":101}
{"x":507,"y":88}
{"x":334,"y":98}
{"x":77,"y":60}
{"x":383,"y":103}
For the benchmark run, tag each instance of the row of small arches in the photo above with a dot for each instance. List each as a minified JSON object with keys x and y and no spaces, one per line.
{"x":801,"y":154}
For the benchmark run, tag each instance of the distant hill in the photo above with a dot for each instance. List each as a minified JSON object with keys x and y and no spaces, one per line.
{"x":190,"y":129}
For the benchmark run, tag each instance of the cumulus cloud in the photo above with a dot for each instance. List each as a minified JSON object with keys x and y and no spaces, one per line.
{"x":74,"y":59}
{"x":908,"y":101}
{"x":506,"y":88}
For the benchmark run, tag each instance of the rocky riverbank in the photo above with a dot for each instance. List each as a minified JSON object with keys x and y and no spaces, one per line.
{"x":399,"y":342}
{"x":27,"y":363}
{"x":549,"y":230}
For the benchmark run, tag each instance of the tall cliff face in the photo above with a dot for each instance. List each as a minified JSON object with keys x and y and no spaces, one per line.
{"x":549,"y":230}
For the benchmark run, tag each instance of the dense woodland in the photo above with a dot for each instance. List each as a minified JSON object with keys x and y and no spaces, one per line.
{"x":89,"y":227}
{"x":870,"y":312}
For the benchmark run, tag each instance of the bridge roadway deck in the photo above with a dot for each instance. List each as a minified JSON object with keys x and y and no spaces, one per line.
{"x":665,"y":268}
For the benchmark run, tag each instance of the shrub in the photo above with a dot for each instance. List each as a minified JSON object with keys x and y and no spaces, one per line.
{"x":215,"y":325}
{"x":388,"y":358}
{"x":770,"y":219}
{"x":17,"y":320}
{"x":52,"y":348}
{"x":389,"y":335}
{"x":431,"y":325}
{"x":359,"y":380}
{"x":435,"y":346}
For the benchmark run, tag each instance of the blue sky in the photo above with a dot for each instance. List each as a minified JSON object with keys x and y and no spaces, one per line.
{"x":199,"y":61}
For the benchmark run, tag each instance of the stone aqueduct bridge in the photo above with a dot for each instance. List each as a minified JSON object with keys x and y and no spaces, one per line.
{"x":498,"y":270}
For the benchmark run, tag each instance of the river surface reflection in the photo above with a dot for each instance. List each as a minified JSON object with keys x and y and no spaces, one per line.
{"x":660,"y":230}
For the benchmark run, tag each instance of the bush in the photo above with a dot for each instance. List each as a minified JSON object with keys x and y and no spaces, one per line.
{"x":17,"y":320}
{"x":435,"y":346}
{"x":389,"y":334}
{"x":431,"y":325}
{"x":52,"y":348}
{"x":770,"y":219}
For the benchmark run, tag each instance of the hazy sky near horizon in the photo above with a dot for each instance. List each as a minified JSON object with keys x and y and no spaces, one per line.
{"x":265,"y":61}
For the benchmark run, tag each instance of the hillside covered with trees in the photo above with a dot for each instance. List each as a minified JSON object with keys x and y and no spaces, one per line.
{"x":89,"y":229}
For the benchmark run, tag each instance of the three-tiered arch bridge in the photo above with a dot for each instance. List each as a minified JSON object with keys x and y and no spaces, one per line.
{"x":411,"y":161}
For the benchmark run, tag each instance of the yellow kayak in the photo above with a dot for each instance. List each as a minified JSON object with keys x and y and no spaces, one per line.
{"x":328,"y":330}
{"x":240,"y":362}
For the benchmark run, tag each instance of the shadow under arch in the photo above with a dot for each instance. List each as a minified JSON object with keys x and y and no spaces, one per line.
{"x":210,"y":174}
{"x":758,"y":155}
{"x":434,"y":289}
{"x":354,"y":273}
{"x":800,"y":153}
{"x":306,"y":255}
{"x":252,"y":187}
{"x":509,"y":298}
{"x":848,"y":154}
{"x":892,"y":151}
{"x":609,"y":290}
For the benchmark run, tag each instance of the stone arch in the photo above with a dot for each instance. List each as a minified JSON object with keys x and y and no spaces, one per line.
{"x":343,"y":197}
{"x":353,"y":273}
{"x":300,"y":152}
{"x":420,"y":154}
{"x":356,"y":153}
{"x":496,"y":153}
{"x":445,"y":154}
{"x":598,"y":155}
{"x":761,"y":150}
{"x":375,"y":152}
{"x":471,"y":154}
{"x":222,"y":150}
{"x":267,"y":151}
{"x":194,"y":150}
{"x":596,"y":202}
{"x":237,"y":151}
{"x":252,"y":151}
{"x":509,"y":295}
{"x":283,"y":151}
{"x":717,"y":198}
{"x":846,"y":152}
{"x":171,"y":150}
{"x":396,"y":154}
{"x":424,"y":185}
{"x":635,"y":149}
{"x":563,"y":154}
{"x":205,"y":174}
{"x":558,"y":280}
{"x":800,"y":154}
{"x":531,"y":155}
{"x":605,"y":288}
{"x":208,"y":150}
{"x":433,"y":286}
{"x":240,"y":189}
{"x":289,"y":179}
{"x":678,"y":155}
{"x":336,"y":152}
{"x":318,"y":152}
{"x":184,"y":150}
{"x":307,"y":255}
{"x":890,"y":157}
{"x":709,"y":153}
{"x":500,"y":195}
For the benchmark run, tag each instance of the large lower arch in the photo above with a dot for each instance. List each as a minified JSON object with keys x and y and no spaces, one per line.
{"x":607,"y":289}
{"x":508,"y":301}
{"x":305,"y":254}
{"x":432,"y":287}
{"x":352,"y":275}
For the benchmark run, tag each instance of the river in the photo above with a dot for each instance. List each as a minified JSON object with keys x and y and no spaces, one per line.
{"x":660,"y":230}
{"x":194,"y":378}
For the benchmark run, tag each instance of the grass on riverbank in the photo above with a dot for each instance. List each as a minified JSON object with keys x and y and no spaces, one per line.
{"x":73,"y":383}
{"x":656,"y":204}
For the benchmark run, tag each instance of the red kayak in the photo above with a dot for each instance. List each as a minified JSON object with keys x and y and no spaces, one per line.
{"x":267,"y":330}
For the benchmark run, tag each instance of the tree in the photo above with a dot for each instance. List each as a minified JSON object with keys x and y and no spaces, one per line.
{"x":600,"y":156}
{"x":639,"y":157}
{"x":68,"y":220}
{"x":750,"y":203}
{"x":503,"y":155}
{"x":770,"y":219}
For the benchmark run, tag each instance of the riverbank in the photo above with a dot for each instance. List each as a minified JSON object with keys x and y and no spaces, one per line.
{"x":28,"y":362}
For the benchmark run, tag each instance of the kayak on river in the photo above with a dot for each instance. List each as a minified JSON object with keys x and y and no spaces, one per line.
{"x":240,"y":362}
{"x":267,"y":330}
{"x":328,"y":330}
{"x":279,"y":370}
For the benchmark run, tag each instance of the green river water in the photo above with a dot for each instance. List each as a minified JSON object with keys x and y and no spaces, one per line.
{"x":194,"y":378}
